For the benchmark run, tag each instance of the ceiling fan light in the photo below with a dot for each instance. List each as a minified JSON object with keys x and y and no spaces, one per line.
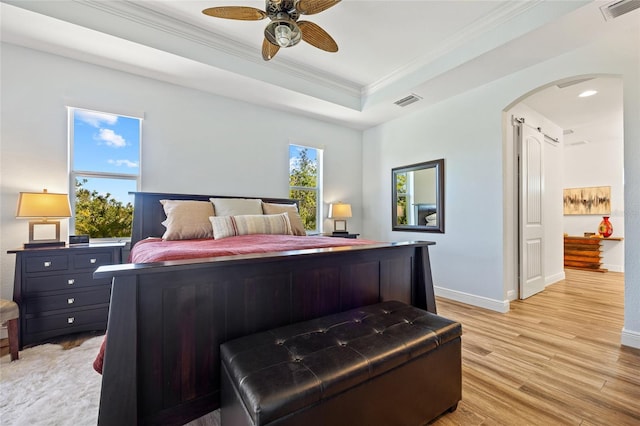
{"x":283,"y":35}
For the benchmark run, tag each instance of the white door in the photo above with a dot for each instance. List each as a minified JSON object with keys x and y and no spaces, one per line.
{"x":531,"y":145}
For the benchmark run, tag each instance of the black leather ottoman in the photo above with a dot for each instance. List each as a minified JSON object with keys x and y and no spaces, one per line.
{"x":384,"y":364}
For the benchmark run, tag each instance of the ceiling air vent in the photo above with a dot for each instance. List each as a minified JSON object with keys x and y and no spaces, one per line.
{"x":408,"y":100}
{"x":619,"y":8}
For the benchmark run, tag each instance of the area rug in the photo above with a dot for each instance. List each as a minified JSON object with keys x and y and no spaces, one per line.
{"x":49,"y":385}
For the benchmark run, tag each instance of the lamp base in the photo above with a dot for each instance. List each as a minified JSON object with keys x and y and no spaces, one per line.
{"x":45,"y":244}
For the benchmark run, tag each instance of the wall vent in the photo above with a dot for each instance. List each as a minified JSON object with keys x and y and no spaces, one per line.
{"x":567,"y":132}
{"x":618,"y":8}
{"x":408,"y":100}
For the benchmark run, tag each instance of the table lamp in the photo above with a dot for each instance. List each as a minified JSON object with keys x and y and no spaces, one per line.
{"x":339,"y":212}
{"x":44,"y":206}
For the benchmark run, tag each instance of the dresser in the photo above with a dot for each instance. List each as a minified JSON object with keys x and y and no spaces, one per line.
{"x":585,"y":253}
{"x":56,"y":292}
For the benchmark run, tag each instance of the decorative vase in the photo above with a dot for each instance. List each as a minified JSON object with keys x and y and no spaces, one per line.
{"x":605,"y":228}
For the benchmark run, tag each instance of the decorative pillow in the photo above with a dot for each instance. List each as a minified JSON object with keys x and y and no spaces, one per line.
{"x":236,"y":206}
{"x":431,"y":219}
{"x":187,"y":219}
{"x":292,"y":210}
{"x":229,"y":226}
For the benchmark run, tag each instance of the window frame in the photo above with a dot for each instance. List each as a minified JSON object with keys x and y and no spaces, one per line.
{"x":79,"y":174}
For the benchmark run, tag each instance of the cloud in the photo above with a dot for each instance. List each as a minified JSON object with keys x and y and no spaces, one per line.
{"x":96,"y":119}
{"x":111,"y":138}
{"x":120,"y":163}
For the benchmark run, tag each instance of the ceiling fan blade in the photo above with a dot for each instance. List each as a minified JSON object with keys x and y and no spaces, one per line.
{"x":310,"y":7}
{"x":316,"y":36}
{"x":243,"y":13}
{"x":269,"y":50}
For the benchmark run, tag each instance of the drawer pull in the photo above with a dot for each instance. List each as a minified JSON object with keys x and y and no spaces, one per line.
{"x":70,"y":320}
{"x":71,"y":300}
{"x":71,"y":281}
{"x":47,"y":264}
{"x":93,"y":260}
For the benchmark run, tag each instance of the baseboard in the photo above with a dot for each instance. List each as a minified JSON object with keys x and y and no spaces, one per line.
{"x":630,"y":338}
{"x":552,"y":279}
{"x":613,"y":268}
{"x":501,"y":306}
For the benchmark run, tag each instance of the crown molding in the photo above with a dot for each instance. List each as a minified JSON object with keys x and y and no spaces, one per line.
{"x":175,"y":27}
{"x":498,"y":16}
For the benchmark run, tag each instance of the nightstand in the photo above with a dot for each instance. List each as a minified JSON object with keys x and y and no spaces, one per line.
{"x":56,"y":292}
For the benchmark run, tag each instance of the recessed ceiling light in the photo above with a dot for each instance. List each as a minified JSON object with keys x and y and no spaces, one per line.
{"x":587,"y":93}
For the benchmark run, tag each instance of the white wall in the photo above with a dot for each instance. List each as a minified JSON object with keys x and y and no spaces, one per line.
{"x":471,"y":260}
{"x":193,"y":142}
{"x":467,"y":260}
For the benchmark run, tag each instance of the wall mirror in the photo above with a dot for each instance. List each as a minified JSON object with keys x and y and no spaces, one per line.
{"x":417,"y":201}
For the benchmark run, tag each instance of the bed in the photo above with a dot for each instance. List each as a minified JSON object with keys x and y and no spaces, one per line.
{"x":167,"y":319}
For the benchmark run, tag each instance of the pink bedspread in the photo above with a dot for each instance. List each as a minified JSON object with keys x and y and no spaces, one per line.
{"x":157,"y":250}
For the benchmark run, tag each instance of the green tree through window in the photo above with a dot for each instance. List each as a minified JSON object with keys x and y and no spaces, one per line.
{"x":101,"y":216}
{"x":304,"y":183}
{"x":402,"y":191}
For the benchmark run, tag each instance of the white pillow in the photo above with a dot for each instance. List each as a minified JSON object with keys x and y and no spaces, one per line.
{"x":229,"y":226}
{"x":187,"y":219}
{"x":236,"y":206}
{"x":431,"y":219}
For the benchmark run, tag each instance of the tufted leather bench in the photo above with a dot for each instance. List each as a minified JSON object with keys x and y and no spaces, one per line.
{"x":384,"y":364}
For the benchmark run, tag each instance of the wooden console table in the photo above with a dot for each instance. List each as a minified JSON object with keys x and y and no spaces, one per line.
{"x":585,"y":253}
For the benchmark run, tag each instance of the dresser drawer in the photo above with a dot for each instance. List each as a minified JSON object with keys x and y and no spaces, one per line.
{"x":46,"y":263}
{"x":67,"y":321}
{"x":92,"y":260}
{"x":68,"y":300}
{"x":62,"y":282}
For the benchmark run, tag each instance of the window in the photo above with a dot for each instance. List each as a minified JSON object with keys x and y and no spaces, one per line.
{"x":404,"y":190}
{"x":305,"y":184}
{"x":104,"y":164}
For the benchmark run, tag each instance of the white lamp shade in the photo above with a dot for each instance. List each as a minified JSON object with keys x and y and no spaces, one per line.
{"x":339,"y":210}
{"x":43,"y":205}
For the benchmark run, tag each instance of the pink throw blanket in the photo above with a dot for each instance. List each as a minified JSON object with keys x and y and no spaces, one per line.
{"x":157,"y":250}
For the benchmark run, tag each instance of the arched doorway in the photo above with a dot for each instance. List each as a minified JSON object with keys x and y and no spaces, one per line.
{"x":589,"y":153}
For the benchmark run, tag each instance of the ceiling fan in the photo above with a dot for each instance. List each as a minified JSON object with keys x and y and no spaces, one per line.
{"x":284,"y":30}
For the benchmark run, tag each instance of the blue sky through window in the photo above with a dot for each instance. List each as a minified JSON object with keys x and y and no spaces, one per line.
{"x":294,"y":155}
{"x":106,"y":143}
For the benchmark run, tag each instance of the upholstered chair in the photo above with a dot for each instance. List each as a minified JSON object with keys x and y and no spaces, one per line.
{"x":9,"y":314}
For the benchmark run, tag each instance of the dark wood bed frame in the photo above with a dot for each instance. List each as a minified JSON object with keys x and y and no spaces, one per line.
{"x":168,"y":319}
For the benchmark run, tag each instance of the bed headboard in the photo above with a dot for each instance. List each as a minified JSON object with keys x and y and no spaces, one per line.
{"x":148,"y":213}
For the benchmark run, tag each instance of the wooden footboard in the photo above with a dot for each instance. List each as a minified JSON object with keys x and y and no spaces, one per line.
{"x":167,"y":320}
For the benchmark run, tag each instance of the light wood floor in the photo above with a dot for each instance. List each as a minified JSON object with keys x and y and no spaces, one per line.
{"x":554,"y":359}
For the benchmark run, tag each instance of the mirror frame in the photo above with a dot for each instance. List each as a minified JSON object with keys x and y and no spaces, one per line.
{"x":438,"y":165}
